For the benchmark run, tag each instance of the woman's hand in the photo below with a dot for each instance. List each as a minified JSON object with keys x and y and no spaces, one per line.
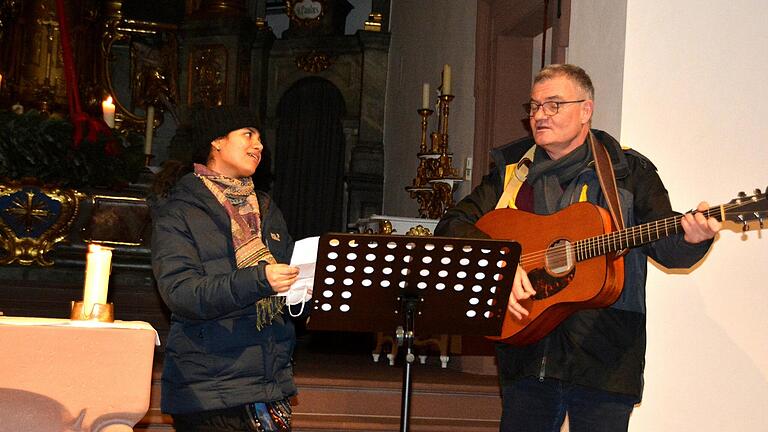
{"x":281,"y":276}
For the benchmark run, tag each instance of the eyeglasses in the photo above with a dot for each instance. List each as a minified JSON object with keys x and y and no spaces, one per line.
{"x":550,"y":107}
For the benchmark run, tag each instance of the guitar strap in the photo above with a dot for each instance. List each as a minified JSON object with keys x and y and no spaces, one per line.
{"x":604,"y":170}
{"x":514,"y":178}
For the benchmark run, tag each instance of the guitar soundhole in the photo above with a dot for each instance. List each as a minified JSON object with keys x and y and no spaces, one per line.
{"x":559,"y":259}
{"x":559,"y":270}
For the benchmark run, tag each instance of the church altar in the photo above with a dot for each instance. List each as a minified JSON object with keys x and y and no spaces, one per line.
{"x":85,"y":376}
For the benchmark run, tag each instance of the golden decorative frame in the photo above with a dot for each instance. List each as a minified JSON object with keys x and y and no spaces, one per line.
{"x":207,"y":71}
{"x":117,"y":29}
{"x":26,"y":204}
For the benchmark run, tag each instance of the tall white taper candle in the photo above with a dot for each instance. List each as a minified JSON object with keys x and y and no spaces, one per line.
{"x":446,"y":79}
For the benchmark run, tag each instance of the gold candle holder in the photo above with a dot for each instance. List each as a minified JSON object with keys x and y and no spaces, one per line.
{"x":424,"y":113}
{"x":435,"y":177}
{"x":99,"y":312}
{"x":445,"y":101}
{"x":435,"y":141}
{"x":423,"y":196}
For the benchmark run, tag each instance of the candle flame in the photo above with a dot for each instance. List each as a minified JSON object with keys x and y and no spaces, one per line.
{"x":108,"y":100}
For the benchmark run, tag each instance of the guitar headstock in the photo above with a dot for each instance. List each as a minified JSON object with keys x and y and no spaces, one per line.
{"x":744,"y":209}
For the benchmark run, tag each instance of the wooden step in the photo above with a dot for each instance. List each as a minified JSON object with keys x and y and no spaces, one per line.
{"x":339,"y":392}
{"x":354,"y":393}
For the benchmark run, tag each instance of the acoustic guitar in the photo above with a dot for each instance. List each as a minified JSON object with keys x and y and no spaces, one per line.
{"x":573,"y":260}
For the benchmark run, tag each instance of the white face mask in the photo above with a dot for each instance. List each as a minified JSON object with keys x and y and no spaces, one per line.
{"x":295,"y":296}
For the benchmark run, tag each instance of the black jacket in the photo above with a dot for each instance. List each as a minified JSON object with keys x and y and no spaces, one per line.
{"x":601,"y":348}
{"x":215,"y":358}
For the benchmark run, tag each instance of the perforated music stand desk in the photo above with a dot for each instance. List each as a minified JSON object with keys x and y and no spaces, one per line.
{"x":372,"y":283}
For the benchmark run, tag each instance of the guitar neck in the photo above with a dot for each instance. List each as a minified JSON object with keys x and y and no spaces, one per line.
{"x":635,"y":236}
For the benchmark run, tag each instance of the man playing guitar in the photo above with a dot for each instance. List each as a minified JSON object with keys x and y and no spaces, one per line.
{"x":587,"y":363}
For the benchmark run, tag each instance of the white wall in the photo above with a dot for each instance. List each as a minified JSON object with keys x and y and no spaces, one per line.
{"x":425,"y":35}
{"x":536,"y":60}
{"x":597,"y":44}
{"x":691,"y":98}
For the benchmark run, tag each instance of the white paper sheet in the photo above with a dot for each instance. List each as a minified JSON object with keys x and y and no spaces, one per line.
{"x":304,"y":257}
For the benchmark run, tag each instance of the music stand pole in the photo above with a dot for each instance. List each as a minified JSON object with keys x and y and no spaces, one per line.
{"x":406,"y":337}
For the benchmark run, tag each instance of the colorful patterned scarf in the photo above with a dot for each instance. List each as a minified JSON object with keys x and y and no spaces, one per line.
{"x":239,"y":199}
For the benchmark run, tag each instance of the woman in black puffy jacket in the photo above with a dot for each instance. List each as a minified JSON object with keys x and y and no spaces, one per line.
{"x":219,"y":250}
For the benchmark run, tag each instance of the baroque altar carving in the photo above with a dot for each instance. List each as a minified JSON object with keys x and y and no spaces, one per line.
{"x":33,"y":219}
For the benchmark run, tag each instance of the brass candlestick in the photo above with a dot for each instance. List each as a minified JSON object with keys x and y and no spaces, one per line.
{"x":99,"y":312}
{"x":445,"y":101}
{"x":424,"y":113}
{"x":435,"y":176}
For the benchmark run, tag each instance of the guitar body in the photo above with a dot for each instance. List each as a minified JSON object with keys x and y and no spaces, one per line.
{"x":563,"y":284}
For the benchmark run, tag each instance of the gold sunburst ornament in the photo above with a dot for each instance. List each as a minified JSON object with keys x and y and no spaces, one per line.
{"x":313,"y":62}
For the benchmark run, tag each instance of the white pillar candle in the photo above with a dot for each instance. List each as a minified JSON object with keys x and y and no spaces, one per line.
{"x":108,"y":111}
{"x":425,"y":96}
{"x":446,"y":79}
{"x":150,"y":130}
{"x":97,"y":268}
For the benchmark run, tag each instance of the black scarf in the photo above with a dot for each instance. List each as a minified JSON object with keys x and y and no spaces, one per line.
{"x":547,"y":176}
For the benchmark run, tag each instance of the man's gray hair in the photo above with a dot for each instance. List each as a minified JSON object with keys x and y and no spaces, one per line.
{"x":573,"y":72}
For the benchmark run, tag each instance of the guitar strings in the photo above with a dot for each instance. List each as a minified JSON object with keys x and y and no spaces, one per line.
{"x":605,"y":243}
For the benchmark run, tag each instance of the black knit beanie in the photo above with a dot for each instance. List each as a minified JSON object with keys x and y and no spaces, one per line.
{"x":192,"y":142}
{"x":212,"y":123}
{"x":219,"y":121}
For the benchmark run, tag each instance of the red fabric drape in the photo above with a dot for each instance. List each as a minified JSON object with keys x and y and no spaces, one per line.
{"x":86,"y":128}
{"x":73,"y":97}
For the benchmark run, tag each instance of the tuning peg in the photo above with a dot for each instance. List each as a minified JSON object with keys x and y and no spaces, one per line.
{"x":744,"y":224}
{"x":741,"y":194}
{"x":757,"y":191}
{"x":760,"y":219}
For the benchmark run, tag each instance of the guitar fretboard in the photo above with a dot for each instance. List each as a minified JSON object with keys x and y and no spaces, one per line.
{"x":634,"y":236}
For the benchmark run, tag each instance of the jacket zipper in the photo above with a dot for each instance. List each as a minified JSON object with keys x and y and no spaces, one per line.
{"x":543,"y":367}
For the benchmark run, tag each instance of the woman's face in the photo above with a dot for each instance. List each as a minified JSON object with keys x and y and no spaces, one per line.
{"x":238,"y":154}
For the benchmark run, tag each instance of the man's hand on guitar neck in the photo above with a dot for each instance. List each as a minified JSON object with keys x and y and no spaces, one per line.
{"x":521,"y":290}
{"x":699,"y":228}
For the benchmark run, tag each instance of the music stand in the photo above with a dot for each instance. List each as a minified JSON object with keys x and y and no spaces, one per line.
{"x":371,"y":283}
